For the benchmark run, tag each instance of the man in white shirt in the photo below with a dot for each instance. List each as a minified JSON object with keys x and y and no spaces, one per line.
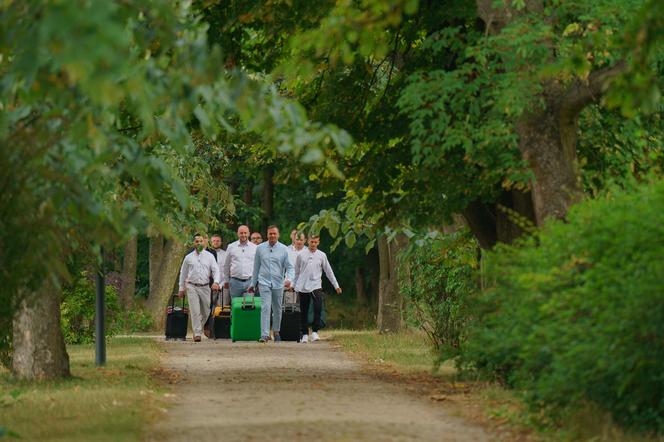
{"x":239,"y":263}
{"x":309,"y":268}
{"x":220,"y":254}
{"x":197,"y":269}
{"x":296,"y":247}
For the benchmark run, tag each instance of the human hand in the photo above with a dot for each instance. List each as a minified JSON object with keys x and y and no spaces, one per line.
{"x":250,"y":290}
{"x":181,"y":294}
{"x":287,"y":284}
{"x":215,"y":286}
{"x":338,"y":290}
{"x":225,"y":285}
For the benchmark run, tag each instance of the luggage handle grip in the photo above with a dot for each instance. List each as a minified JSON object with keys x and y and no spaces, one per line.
{"x":171,"y":302}
{"x":245,"y":305}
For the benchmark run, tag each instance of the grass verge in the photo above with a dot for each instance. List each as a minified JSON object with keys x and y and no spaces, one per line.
{"x":111,"y":403}
{"x":407,"y":358}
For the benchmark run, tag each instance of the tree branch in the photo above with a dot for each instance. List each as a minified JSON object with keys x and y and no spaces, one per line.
{"x":582,"y":93}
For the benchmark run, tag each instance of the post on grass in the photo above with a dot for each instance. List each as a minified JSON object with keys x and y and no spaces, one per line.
{"x":100,"y":338}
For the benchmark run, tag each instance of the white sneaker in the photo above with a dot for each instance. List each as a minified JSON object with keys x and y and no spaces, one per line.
{"x":314,"y":337}
{"x":305,"y":339}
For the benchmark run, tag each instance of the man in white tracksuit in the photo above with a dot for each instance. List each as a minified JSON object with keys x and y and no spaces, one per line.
{"x":309,"y":268}
{"x":197,"y":268}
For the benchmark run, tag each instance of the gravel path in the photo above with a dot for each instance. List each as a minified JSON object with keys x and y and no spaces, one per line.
{"x":288,"y":391}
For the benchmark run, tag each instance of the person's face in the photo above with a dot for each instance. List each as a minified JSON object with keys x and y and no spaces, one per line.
{"x":199,"y":243}
{"x":256,"y":238}
{"x":205,"y":241}
{"x":293,"y":234}
{"x":243,"y":234}
{"x":273,"y":236}
{"x":299,"y":241}
{"x":313,"y":243}
{"x":216,"y":242}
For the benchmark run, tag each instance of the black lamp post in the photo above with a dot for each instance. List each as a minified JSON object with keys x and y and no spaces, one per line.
{"x":100,"y":338}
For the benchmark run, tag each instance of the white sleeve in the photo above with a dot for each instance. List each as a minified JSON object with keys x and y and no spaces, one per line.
{"x":184,"y":271}
{"x":329,"y":273}
{"x":226,"y":266}
{"x":216,"y":273}
{"x":298,"y":264}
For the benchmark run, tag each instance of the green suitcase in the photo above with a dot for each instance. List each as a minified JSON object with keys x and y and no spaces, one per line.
{"x":246,"y":318}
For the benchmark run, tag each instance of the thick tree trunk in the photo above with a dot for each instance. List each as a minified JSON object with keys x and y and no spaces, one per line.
{"x":173,"y":253}
{"x":549,"y":146}
{"x":39,"y":347}
{"x":374,"y":275}
{"x":268,"y":196}
{"x":548,"y":134}
{"x":156,"y":255}
{"x":390,"y":301}
{"x":360,"y":292}
{"x":248,"y":195}
{"x":129,"y":273}
{"x":504,"y":221}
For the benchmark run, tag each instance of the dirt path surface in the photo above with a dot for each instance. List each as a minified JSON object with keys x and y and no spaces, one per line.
{"x":288,"y":391}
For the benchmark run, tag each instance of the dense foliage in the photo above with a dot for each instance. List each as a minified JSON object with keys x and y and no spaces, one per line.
{"x":78,"y":312}
{"x":575,"y":314}
{"x":438,"y":279}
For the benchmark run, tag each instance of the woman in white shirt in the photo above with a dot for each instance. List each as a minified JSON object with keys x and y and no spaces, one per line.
{"x":309,"y":267}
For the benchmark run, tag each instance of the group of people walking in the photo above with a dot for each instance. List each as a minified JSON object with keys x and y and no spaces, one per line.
{"x":265,"y":269}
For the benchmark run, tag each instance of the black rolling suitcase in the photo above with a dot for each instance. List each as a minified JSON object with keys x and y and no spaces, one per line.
{"x":176,"y":320}
{"x":221,"y":316}
{"x":291,"y":325}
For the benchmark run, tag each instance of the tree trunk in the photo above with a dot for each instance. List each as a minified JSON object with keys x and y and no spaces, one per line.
{"x":156,"y":255}
{"x":374,"y":275}
{"x":549,"y":146}
{"x":129,"y":273}
{"x":548,"y":133}
{"x":268,"y":196}
{"x":390,"y":301}
{"x":173,"y":253}
{"x":39,"y":347}
{"x":248,"y":195}
{"x":360,"y":292}
{"x":504,"y":221}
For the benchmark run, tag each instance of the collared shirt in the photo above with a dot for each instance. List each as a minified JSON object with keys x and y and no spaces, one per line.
{"x":198,"y":267}
{"x":239,"y":261}
{"x":221,"y":256}
{"x":309,"y":269}
{"x":271,"y":264}
{"x":293,"y":252}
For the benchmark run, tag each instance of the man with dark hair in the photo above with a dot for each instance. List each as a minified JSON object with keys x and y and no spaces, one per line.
{"x":198,"y":267}
{"x":217,"y":251}
{"x":272,"y":272}
{"x":256,"y":238}
{"x":309,"y":268}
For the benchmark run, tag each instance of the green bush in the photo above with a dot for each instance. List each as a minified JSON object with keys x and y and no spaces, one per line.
{"x":438,"y":278}
{"x":576,"y":315}
{"x":78,"y":313}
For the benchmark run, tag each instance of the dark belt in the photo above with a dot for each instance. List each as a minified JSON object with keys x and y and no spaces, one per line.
{"x":199,"y":285}
{"x":238,"y":279}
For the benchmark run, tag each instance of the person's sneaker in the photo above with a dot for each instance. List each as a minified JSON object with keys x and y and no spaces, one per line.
{"x":314,"y":337}
{"x":277,"y":338}
{"x":305,"y":339}
{"x":263,"y":339}
{"x":197,"y":339}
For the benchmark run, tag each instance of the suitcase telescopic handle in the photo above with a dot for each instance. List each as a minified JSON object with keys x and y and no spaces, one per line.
{"x":171,"y":302}
{"x":244,"y":303}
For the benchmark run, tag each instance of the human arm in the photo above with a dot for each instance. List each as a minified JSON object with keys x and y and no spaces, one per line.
{"x":327,"y":268}
{"x":184,"y":271}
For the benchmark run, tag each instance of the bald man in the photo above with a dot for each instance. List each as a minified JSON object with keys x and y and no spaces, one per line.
{"x":239,"y":263}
